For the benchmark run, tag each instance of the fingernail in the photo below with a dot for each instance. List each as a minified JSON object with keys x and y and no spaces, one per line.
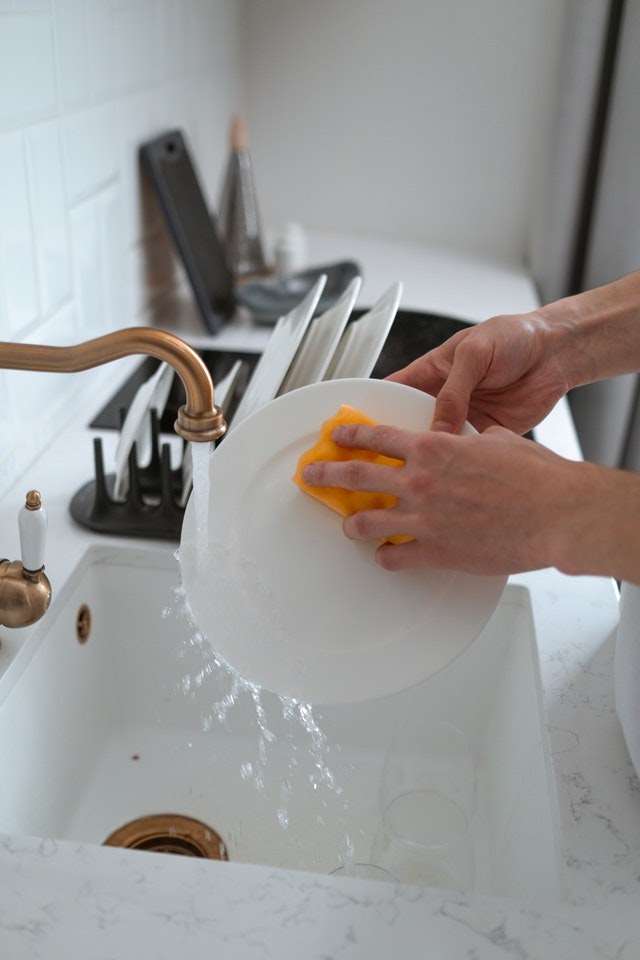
{"x":309,"y":472}
{"x":442,"y":426}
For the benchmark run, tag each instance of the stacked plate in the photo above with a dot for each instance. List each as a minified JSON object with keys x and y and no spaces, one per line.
{"x":302,"y":350}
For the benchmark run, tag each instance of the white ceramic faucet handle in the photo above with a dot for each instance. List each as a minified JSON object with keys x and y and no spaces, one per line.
{"x":32,"y":524}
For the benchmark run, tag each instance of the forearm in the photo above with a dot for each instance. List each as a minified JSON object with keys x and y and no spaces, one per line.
{"x":600,"y":534}
{"x":596,"y":334}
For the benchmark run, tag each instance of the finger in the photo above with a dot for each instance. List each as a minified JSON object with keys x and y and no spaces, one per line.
{"x":452,"y":403}
{"x":353,"y":475}
{"x":429,"y":372}
{"x":387,"y":440}
{"x":377,"y":524}
{"x":404,"y":556}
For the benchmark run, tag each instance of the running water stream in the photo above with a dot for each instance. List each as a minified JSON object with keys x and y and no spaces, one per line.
{"x":306,"y":743}
{"x":200,"y":454}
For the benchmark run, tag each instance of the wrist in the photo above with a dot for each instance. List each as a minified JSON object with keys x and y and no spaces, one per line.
{"x":596,"y":334}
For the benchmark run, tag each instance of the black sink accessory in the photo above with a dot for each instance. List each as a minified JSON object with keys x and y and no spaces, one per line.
{"x":151,"y":507}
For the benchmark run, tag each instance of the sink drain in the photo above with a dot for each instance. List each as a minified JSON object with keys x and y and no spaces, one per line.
{"x":170,"y":833}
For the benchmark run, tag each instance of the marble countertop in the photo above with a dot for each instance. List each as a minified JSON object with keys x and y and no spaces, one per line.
{"x":73,"y":900}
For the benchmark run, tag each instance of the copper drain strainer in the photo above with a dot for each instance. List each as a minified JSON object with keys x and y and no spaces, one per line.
{"x":170,"y":833}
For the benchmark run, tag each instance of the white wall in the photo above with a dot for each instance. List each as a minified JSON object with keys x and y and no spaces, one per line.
{"x":427,"y":120}
{"x":82,"y":83}
{"x":417,"y":119}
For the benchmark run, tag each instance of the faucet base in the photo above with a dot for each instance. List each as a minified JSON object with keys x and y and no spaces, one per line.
{"x":25,"y":595}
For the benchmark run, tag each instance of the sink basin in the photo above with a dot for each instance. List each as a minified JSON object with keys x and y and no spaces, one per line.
{"x":118,"y":709}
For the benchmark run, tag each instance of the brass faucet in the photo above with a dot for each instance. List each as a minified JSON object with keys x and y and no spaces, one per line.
{"x":25,"y":593}
{"x":199,"y":419}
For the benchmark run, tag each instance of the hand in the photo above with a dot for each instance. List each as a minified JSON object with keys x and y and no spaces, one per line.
{"x":507,"y":371}
{"x":492,"y":503}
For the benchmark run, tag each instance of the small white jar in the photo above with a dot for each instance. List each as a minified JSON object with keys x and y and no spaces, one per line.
{"x":290,"y":250}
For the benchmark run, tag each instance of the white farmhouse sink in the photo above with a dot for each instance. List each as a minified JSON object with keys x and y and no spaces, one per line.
{"x":130,"y":723}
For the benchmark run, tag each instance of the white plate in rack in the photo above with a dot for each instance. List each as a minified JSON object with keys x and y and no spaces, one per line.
{"x":363,"y":339}
{"x":153,"y":393}
{"x":285,"y":598}
{"x":276,"y":359}
{"x":323,"y":335}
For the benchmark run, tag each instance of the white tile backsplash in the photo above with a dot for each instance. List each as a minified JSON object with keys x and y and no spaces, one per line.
{"x":111,"y":239}
{"x":51,"y":233}
{"x":136,"y":30}
{"x":31,"y":393}
{"x":88,"y":272}
{"x":17,"y":257}
{"x":7,"y":427}
{"x":135,"y":123}
{"x":82,"y":248}
{"x":29,"y":6}
{"x":71,"y":54}
{"x":102,"y":76}
{"x":201,"y":22}
{"x":171,"y":50}
{"x":90,"y":149}
{"x":27,"y":69}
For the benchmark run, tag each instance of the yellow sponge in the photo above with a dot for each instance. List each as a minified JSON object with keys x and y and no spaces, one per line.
{"x":346,"y":502}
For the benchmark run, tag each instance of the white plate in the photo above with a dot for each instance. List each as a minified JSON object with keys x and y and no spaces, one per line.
{"x":136,"y":428}
{"x":321,"y":339}
{"x":364,"y":338}
{"x":282,"y":347}
{"x":285,"y":598}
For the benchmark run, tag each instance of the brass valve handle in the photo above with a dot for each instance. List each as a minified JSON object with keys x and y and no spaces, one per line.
{"x":25,"y":591}
{"x":32,"y":523}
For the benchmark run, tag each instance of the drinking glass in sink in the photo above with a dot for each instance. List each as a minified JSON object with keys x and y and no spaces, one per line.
{"x":427,"y":799}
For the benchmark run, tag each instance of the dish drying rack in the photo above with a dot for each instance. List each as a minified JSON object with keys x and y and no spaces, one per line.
{"x":154,"y":503}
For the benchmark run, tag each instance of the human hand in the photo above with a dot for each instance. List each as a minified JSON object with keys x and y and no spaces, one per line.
{"x":492,"y":503}
{"x":507,"y":371}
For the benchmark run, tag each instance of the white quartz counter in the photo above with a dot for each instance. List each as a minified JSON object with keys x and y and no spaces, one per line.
{"x":61,"y":899}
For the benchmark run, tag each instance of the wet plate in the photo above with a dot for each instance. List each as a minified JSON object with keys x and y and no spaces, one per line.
{"x":278,"y":355}
{"x":285,"y":598}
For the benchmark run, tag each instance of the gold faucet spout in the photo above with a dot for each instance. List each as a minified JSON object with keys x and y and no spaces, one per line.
{"x":199,"y":420}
